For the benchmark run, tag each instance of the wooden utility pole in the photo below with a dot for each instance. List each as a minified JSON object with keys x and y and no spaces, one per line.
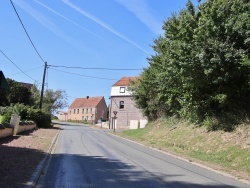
{"x":41,"y":98}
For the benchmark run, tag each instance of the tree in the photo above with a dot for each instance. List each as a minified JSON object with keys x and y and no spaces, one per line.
{"x":18,"y":94}
{"x":54,"y":100}
{"x":201,"y":68}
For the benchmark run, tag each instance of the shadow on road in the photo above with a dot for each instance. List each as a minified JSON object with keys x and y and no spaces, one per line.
{"x":95,"y":171}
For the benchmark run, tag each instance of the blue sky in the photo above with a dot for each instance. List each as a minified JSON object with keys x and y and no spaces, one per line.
{"x":81,"y":33}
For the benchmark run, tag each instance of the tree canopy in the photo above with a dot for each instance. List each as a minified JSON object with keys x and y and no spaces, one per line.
{"x":200,"y":70}
{"x":53,"y":100}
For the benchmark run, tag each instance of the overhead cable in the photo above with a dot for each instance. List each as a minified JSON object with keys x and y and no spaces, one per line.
{"x":25,"y":71}
{"x":92,"y":68}
{"x":15,"y":65}
{"x":83,"y":75}
{"x":27,"y":32}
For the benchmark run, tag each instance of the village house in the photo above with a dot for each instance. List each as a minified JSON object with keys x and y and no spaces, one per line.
{"x":62,"y":116}
{"x":128,"y":115}
{"x":90,"y":109}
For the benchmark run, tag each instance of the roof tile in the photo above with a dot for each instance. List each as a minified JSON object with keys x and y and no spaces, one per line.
{"x":86,"y":102}
{"x":124,"y":81}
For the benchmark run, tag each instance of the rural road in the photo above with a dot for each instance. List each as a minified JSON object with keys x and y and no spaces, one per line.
{"x":87,"y":157}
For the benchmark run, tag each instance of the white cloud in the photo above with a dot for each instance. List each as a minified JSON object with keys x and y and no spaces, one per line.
{"x":104,"y":25}
{"x":144,"y":13}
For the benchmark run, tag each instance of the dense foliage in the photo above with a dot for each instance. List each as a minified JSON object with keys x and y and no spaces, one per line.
{"x":41,"y":118}
{"x":25,"y":102}
{"x":200,"y":70}
{"x":18,"y":94}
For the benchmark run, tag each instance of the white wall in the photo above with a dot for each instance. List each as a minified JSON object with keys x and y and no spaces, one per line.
{"x":115,"y":91}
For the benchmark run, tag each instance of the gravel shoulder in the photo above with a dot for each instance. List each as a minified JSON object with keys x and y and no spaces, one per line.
{"x":20,"y":155}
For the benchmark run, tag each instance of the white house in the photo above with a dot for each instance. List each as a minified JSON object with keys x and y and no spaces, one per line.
{"x":128,"y":115}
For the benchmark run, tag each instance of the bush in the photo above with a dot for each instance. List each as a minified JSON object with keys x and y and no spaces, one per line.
{"x":41,"y":118}
{"x":7,"y":116}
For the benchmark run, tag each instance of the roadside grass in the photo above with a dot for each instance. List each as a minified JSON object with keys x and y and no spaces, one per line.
{"x":226,"y":151}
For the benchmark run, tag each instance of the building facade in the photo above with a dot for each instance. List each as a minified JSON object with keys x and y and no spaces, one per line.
{"x":62,"y":116}
{"x":89,"y":109}
{"x":128,"y":115}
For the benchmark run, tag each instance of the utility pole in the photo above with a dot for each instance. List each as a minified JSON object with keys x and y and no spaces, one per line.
{"x":44,"y":73}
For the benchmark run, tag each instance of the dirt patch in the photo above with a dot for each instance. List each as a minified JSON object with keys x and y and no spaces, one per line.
{"x":21,"y":154}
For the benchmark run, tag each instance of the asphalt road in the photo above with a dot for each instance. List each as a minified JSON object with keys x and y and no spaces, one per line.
{"x":86,"y":157}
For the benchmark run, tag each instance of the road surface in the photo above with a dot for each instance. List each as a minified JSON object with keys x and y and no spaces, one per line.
{"x":87,"y":157}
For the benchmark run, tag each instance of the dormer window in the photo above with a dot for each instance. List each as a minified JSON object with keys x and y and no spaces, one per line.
{"x":122,"y":89}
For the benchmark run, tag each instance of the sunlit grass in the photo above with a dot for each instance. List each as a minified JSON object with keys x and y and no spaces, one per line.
{"x":218,"y":148}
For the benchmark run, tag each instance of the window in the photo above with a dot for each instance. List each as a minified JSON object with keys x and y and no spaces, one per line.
{"x":87,"y":118}
{"x":74,"y":111}
{"x":121,"y":104}
{"x":91,"y":110}
{"x":87,"y":111}
{"x":82,"y":111}
{"x":122,"y":89}
{"x":83,"y":118}
{"x":70,"y":112}
{"x":77,"y":111}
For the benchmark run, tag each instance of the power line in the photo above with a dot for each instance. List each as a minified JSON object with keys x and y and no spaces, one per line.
{"x":25,"y":71}
{"x":26,"y":32}
{"x":84,"y":75}
{"x":15,"y":65}
{"x":91,"y":68}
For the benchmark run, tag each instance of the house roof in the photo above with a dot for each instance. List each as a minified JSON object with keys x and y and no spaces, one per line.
{"x":27,"y":85}
{"x":86,"y":102}
{"x":124,"y":81}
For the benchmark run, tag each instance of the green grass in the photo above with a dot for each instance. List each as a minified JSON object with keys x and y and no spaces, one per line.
{"x":220,"y":150}
{"x":1,"y":117}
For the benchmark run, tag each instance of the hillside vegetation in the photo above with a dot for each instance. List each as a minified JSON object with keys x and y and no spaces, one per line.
{"x":226,"y":151}
{"x":201,"y":67}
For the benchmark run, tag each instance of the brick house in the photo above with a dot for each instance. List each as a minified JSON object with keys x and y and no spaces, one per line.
{"x":128,"y":115}
{"x":90,"y":109}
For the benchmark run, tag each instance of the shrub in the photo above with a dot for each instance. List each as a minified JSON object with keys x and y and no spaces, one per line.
{"x":41,"y":118}
{"x":7,"y":116}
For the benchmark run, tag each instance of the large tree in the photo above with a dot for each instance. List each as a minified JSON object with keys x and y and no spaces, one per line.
{"x":18,"y":94}
{"x":53,"y":100}
{"x":201,"y":66}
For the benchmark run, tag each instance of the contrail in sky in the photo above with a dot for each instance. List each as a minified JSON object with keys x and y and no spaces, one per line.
{"x":76,"y":24}
{"x":104,"y":25}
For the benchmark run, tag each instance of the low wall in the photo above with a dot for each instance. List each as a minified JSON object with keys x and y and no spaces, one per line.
{"x":23,"y":128}
{"x":15,"y":127}
{"x":6,"y":132}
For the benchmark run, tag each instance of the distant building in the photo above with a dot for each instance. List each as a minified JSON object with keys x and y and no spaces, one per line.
{"x":90,"y":109}
{"x":27,"y":85}
{"x":63,"y":116}
{"x":128,"y":115}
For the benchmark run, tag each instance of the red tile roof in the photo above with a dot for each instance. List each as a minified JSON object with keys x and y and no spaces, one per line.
{"x":124,"y":81}
{"x":86,"y":102}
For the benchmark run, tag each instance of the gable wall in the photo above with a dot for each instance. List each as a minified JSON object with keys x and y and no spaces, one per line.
{"x":130,"y":111}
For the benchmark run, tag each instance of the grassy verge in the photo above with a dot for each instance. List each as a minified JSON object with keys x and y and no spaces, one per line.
{"x":229,"y":152}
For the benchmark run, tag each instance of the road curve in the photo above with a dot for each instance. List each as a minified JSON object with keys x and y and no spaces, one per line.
{"x":87,"y":157}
